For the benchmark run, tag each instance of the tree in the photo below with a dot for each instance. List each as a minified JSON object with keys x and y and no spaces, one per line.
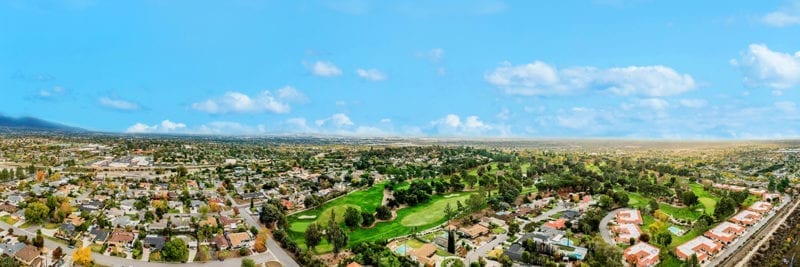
{"x":664,"y":238}
{"x":653,"y":205}
{"x":38,"y":241}
{"x":82,"y":256}
{"x":36,"y":212}
{"x":383,"y":213}
{"x":336,"y":235}
{"x":693,"y":261}
{"x":247,"y":262}
{"x":175,"y":250}
{"x":261,"y":242}
{"x":64,"y":209}
{"x":352,"y":217}
{"x":448,"y":211}
{"x":526,"y":257}
{"x":313,"y":235}
{"x":451,"y":242}
{"x":513,"y":227}
{"x":605,"y":202}
{"x":725,"y":207}
{"x":58,"y":253}
{"x":271,"y":215}
{"x":367,"y":218}
{"x":689,"y":198}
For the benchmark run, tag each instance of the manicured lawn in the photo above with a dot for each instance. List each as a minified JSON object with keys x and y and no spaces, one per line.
{"x":7,"y":219}
{"x":50,"y":226}
{"x":434,"y":211}
{"x":750,"y":200}
{"x":636,"y":200}
{"x":704,"y":197}
{"x":339,"y":210}
{"x":685,"y":213}
{"x":420,"y":217}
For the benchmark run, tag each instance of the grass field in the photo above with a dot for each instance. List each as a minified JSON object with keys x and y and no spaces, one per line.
{"x":708,"y":200}
{"x":433,"y":212}
{"x":7,"y":219}
{"x":419,"y":217}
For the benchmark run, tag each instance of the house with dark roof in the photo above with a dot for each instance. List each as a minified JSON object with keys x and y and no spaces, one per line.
{"x":66,"y":231}
{"x":98,"y":235}
{"x":154,"y":242}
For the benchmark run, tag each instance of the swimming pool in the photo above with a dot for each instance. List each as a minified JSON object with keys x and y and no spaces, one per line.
{"x":675,"y":230}
{"x":401,"y":249}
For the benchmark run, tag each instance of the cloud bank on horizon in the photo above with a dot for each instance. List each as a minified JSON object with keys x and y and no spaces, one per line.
{"x":476,"y":68}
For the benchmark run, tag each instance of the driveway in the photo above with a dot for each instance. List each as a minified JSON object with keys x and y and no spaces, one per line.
{"x":546,"y":215}
{"x":604,"y":230}
{"x":473,"y":255}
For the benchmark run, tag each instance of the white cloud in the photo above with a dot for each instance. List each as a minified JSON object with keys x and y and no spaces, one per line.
{"x":166,"y":126}
{"x":786,"y":106}
{"x":786,"y":16}
{"x":653,"y":103}
{"x":236,"y":102}
{"x":451,"y":124}
{"x":325,"y":69}
{"x":764,"y":67}
{"x":693,"y":103}
{"x":291,"y":94}
{"x":539,"y":78}
{"x":504,"y":114}
{"x":371,"y":74}
{"x":141,"y":128}
{"x":434,"y":55}
{"x":339,"y":120}
{"x":56,"y":91}
{"x":118,"y":104}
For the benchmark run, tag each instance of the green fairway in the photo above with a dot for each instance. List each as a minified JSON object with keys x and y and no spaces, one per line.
{"x":708,"y":200}
{"x":419,"y":217}
{"x":433,"y":212}
{"x":323,"y":218}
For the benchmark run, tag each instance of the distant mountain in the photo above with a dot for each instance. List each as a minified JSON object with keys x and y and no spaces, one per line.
{"x":31,"y":123}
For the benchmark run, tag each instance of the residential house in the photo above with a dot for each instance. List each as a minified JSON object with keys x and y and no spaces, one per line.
{"x":239,"y":240}
{"x":154,"y":242}
{"x":746,"y":217}
{"x":627,"y":231}
{"x":227,"y":223}
{"x":28,"y":255}
{"x":642,"y":255}
{"x":701,"y":246}
{"x":559,"y":224}
{"x":210,"y":221}
{"x":9,"y":208}
{"x":99,"y":236}
{"x":631,"y":216}
{"x":121,"y":238}
{"x":423,"y":254}
{"x":473,"y":231}
{"x":221,"y":242}
{"x":761,"y":207}
{"x":66,"y":231}
{"x":725,"y":232}
{"x":770,"y":197}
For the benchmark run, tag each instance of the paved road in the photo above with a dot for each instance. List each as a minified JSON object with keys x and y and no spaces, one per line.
{"x":473,"y":255}
{"x":733,"y":248}
{"x":272,"y":246}
{"x":546,"y":215}
{"x":604,"y":230}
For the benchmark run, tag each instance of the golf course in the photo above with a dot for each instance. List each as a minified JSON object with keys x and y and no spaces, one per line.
{"x":408,"y":219}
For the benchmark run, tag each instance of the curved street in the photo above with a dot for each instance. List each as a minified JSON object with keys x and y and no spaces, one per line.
{"x":604,"y":230}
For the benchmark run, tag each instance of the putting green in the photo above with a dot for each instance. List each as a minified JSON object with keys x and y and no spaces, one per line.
{"x":432,"y":212}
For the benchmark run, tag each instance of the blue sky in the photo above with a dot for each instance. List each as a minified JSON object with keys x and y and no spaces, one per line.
{"x":486,"y":68}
